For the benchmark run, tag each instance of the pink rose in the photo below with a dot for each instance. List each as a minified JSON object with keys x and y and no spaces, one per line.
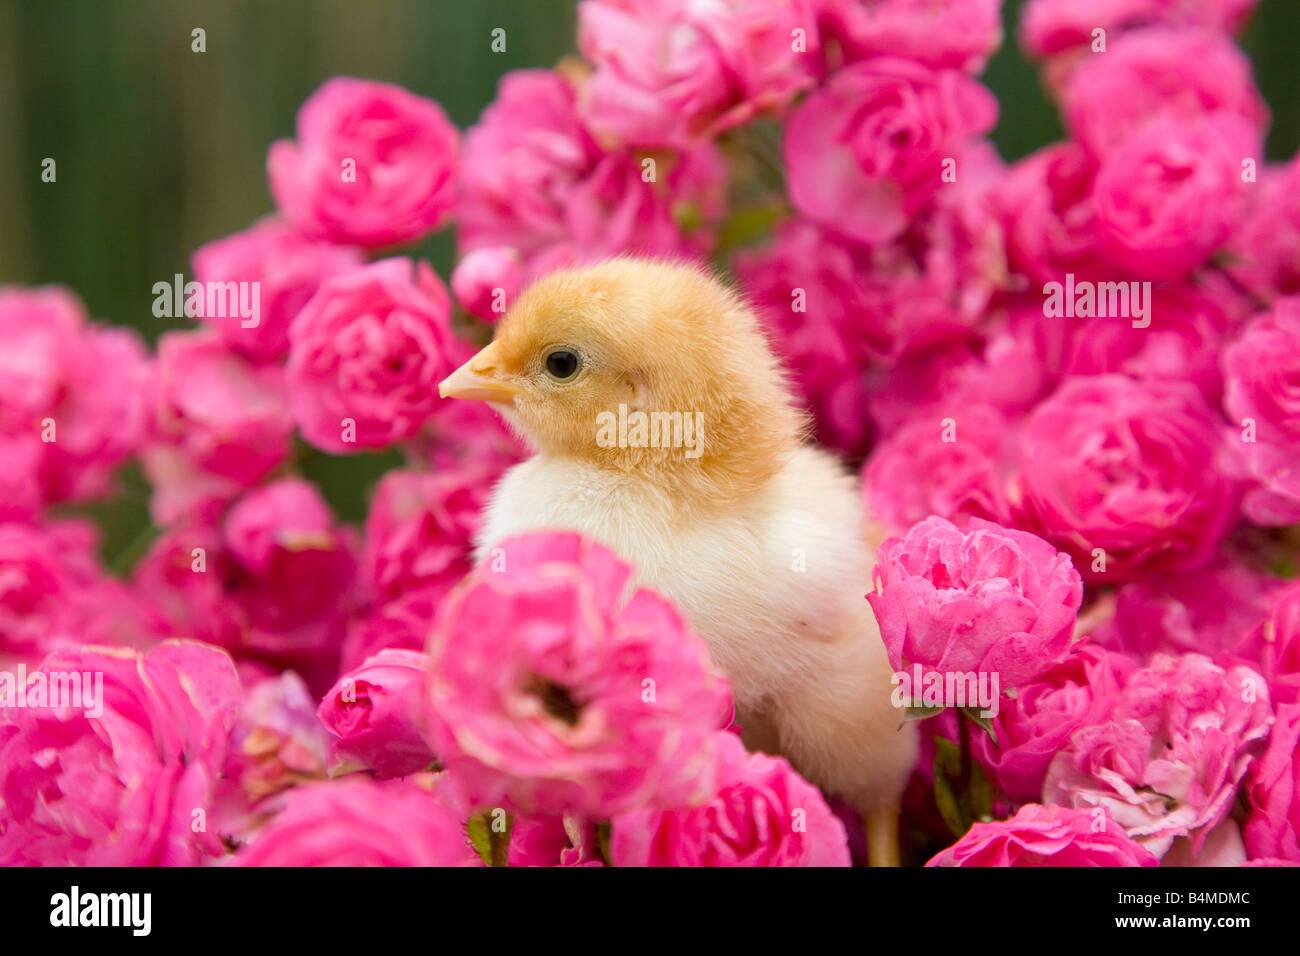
{"x":277,"y":741}
{"x":1159,"y":72}
{"x":952,"y":467}
{"x":1128,"y":468}
{"x":762,"y":814}
{"x":866,"y":152}
{"x":553,"y":691}
{"x":420,"y":531}
{"x":366,"y":356}
{"x":71,"y":399}
{"x":373,"y":165}
{"x":219,"y":423}
{"x":287,"y":268}
{"x":1168,"y":761}
{"x":1274,"y":792}
{"x":668,"y":72}
{"x":536,"y":181}
{"x":375,"y":712}
{"x":1046,"y":836}
{"x":1264,"y":253}
{"x":987,"y":600}
{"x":117,"y":781}
{"x":1170,"y":195}
{"x":487,"y":280}
{"x":1262,"y":400}
{"x":960,"y":34}
{"x":402,"y":624}
{"x":553,"y":841}
{"x":1079,"y":691}
{"x":1051,"y":26}
{"x":361,"y":822}
{"x":1276,"y":645}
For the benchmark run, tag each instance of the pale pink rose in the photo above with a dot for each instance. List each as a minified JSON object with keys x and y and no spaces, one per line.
{"x":1160,"y":72}
{"x":984,"y":600}
{"x":953,"y":467}
{"x":1079,"y":691}
{"x":375,"y":713}
{"x":487,"y":280}
{"x":1273,"y":829}
{"x":761,"y":814}
{"x":219,"y":423}
{"x":1046,"y":836}
{"x":865,"y":153}
{"x":554,"y":691}
{"x":1128,"y":468}
{"x":402,"y":624}
{"x":961,"y":34}
{"x":1261,"y":397}
{"x":367,"y":353}
{"x":1215,"y":610}
{"x":1172,"y":193}
{"x":121,"y":787}
{"x":277,"y":741}
{"x":1052,"y":26}
{"x":1264,"y":252}
{"x":287,"y":268}
{"x":1168,"y":761}
{"x":71,"y":399}
{"x":361,"y":822}
{"x":1179,"y":339}
{"x":420,"y":531}
{"x":536,"y":181}
{"x":669,"y":72}
{"x":373,"y":165}
{"x":553,"y":841}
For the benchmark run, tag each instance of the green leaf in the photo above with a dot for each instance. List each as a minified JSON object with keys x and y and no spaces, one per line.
{"x":947,"y":768}
{"x":984,"y":723}
{"x":922,"y":713}
{"x":479,"y":829}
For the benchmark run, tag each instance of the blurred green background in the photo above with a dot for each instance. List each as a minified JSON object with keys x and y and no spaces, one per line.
{"x":160,"y":149}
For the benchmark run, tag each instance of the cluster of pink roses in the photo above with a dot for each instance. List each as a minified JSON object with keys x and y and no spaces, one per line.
{"x":1092,"y":494}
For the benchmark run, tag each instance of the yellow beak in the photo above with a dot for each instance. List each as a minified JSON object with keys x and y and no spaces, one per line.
{"x":478,"y":379}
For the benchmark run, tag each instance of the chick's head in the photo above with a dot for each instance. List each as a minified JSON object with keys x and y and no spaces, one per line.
{"x":586,"y":348}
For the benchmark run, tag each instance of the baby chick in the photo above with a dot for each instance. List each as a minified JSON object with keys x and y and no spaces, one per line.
{"x":711,"y":494}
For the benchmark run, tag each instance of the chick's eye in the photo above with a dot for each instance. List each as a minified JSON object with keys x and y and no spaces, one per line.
{"x":563,"y":364}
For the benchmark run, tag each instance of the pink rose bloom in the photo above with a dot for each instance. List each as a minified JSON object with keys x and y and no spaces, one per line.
{"x":536,"y":181}
{"x":1264,"y":252}
{"x":1168,"y":761}
{"x":1126,"y":467}
{"x":373,"y":165}
{"x":1051,"y":26}
{"x":1046,"y":205}
{"x":288,"y":269}
{"x":1159,"y":72}
{"x":219,"y":423}
{"x":277,"y":741}
{"x":487,"y":280}
{"x":420,"y":531}
{"x":1181,"y":343}
{"x":553,"y":691}
{"x":1274,"y":792}
{"x":375,"y":714}
{"x":865,"y":152}
{"x":1171,"y":194}
{"x":119,"y":787}
{"x":668,"y":72}
{"x":762,"y":814}
{"x":553,"y":841}
{"x":988,"y":599}
{"x":76,"y":384}
{"x":1215,"y":610}
{"x":917,"y":471}
{"x":1276,"y":645}
{"x":1262,"y":400}
{"x":1079,"y":691}
{"x":960,"y":34}
{"x":361,"y":822}
{"x":366,"y":356}
{"x":1046,"y":836}
{"x":402,"y":624}
{"x":184,"y":576}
